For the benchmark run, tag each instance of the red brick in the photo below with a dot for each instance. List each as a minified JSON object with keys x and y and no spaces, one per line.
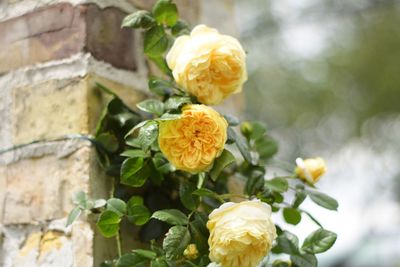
{"x":61,"y":30}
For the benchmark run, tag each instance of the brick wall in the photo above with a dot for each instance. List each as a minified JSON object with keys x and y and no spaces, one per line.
{"x":51,"y":54}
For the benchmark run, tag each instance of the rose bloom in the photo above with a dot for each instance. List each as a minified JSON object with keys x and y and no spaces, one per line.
{"x":207,"y":64}
{"x":241,"y":234}
{"x":192,"y":142}
{"x":310,"y":170}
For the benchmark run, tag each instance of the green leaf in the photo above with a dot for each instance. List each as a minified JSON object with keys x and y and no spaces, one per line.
{"x":242,"y":146}
{"x":254,"y":183}
{"x":221,"y":163}
{"x":81,"y":199}
{"x":204,"y":192}
{"x":155,"y":41}
{"x":304,"y":260}
{"x":98,"y":203}
{"x":299,"y":198}
{"x":277,"y":184}
{"x":137,"y":212}
{"x":323,"y":200}
{"x":139,"y":19}
{"x":159,"y":86}
{"x":145,"y":253}
{"x":266,"y":147}
{"x":153,"y":106}
{"x":108,"y":141}
{"x":288,"y":243}
{"x":165,"y":12}
{"x":232,"y":120}
{"x":176,"y":241}
{"x":132,"y":260}
{"x":291,"y":215}
{"x":161,"y":163}
{"x":159,"y":262}
{"x":199,"y":234}
{"x":161,"y":63}
{"x":279,"y":263}
{"x":135,"y":153}
{"x":171,"y":216}
{"x":148,"y":134}
{"x":116,"y":205}
{"x":319,"y":241}
{"x":185,"y":193}
{"x":108,"y":223}
{"x":73,"y":215}
{"x":180,"y":28}
{"x":176,"y":102}
{"x":134,"y":172}
{"x":169,"y":117}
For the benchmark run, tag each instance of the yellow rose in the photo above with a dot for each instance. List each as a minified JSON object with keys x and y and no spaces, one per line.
{"x":192,"y":142}
{"x":310,"y":170}
{"x":209,"y":65}
{"x":241,"y":234}
{"x":191,"y":252}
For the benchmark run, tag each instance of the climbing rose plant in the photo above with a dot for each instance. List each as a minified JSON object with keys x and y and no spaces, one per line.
{"x":176,"y":160}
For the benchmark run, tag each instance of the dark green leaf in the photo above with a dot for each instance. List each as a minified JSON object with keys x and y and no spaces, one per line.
{"x":161,"y":63}
{"x":199,"y":234}
{"x":131,"y":260}
{"x":254,"y":183}
{"x":161,"y":164}
{"x":137,"y":212}
{"x":319,"y":241}
{"x":323,"y":200}
{"x":288,"y":243}
{"x":291,"y":215}
{"x":304,"y":260}
{"x":159,"y":262}
{"x":73,"y":215}
{"x":243,"y":147}
{"x":277,"y":184}
{"x":171,"y":216}
{"x":159,"y":86}
{"x":176,"y":102}
{"x":108,"y":141}
{"x":135,"y":153}
{"x":108,"y":223}
{"x":139,"y":19}
{"x":299,"y":198}
{"x":176,"y":241}
{"x":221,"y":163}
{"x":165,"y":12}
{"x":148,"y":134}
{"x":258,"y":130}
{"x":204,"y":192}
{"x":155,"y":41}
{"x":153,"y":106}
{"x":145,"y":253}
{"x":180,"y":28}
{"x":134,"y":172}
{"x":185,"y":193}
{"x":116,"y":205}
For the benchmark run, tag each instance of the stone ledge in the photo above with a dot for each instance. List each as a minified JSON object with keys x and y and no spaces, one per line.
{"x":61,"y":30}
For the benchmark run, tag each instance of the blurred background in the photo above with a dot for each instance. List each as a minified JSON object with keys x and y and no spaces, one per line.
{"x":325,"y":77}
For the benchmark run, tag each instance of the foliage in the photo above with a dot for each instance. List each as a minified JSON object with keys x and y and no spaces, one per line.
{"x":128,"y":150}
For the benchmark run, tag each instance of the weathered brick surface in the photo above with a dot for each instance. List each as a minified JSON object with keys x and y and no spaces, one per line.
{"x":59,"y":107}
{"x":40,"y":189}
{"x":40,"y":246}
{"x":61,"y":30}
